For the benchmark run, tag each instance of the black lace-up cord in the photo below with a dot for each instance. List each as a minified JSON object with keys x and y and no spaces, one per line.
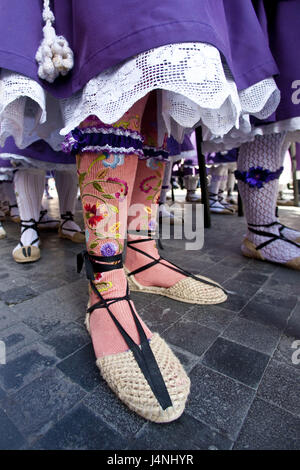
{"x":143,"y":354}
{"x":66,"y":217}
{"x":41,"y":221}
{"x":33,"y":225}
{"x":273,"y":237}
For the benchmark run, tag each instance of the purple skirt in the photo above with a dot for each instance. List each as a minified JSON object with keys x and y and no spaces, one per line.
{"x":229,"y":157}
{"x":280,"y":21}
{"x":105,"y":33}
{"x":39,"y":150}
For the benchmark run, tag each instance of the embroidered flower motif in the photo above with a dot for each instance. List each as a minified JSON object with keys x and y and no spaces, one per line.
{"x":87,"y":235}
{"x":255,"y":177}
{"x":123,"y":191}
{"x":144,"y":186}
{"x":115,"y":227}
{"x":91,"y":215}
{"x":104,"y":286}
{"x":152,"y":225}
{"x":118,"y":159}
{"x":98,"y":276}
{"x":148,"y":210}
{"x":108,"y":249}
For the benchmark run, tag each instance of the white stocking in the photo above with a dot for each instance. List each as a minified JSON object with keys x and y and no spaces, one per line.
{"x":67,"y":185}
{"x":29,"y":186}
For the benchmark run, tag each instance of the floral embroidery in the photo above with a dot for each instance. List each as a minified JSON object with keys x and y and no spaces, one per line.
{"x":144,"y":186}
{"x":108,"y":249}
{"x":118,"y":159}
{"x":104,"y":286}
{"x":123,"y":191}
{"x":255,"y":177}
{"x":90,"y":214}
{"x":98,"y":276}
{"x":87,"y":235}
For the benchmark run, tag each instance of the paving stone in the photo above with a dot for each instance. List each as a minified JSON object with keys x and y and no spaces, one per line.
{"x":270,"y":309}
{"x":39,"y":405}
{"x":105,"y":404}
{"x":141,"y":299}
{"x":267,"y":427}
{"x":211,"y":316}
{"x":254,"y":335}
{"x":24,"y":365}
{"x":159,"y":318}
{"x":235,"y":302}
{"x":288,"y":351}
{"x":7,"y":317}
{"x":285,"y":281}
{"x":81,"y":368}
{"x":81,"y":430}
{"x":67,"y":339}
{"x":52,"y":309}
{"x":281,"y":386}
{"x":293,"y":324}
{"x":187,"y":359}
{"x":220,"y":273}
{"x":10,"y":437}
{"x":190,"y":335}
{"x":251,"y":277}
{"x":236,"y":361}
{"x":17,"y":295}
{"x":218,"y":401}
{"x":241,"y":288}
{"x":186,"y":433}
{"x":17,"y":337}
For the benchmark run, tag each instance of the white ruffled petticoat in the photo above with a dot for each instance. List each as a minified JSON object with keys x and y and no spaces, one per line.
{"x":195,"y":86}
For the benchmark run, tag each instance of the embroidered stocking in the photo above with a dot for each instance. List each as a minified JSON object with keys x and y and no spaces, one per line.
{"x":106,"y":182}
{"x":259,"y":167}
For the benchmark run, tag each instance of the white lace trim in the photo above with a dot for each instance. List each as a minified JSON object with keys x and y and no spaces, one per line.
{"x":195,"y":87}
{"x":235,"y":137}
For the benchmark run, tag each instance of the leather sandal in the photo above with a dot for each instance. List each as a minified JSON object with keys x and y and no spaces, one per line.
{"x":148,"y":377}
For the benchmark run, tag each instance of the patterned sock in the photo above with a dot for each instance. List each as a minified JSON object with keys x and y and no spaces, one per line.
{"x":105,"y":186}
{"x":260,"y":196}
{"x":29,"y":186}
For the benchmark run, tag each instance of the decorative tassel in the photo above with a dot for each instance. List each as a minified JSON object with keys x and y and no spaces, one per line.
{"x":54,"y":55}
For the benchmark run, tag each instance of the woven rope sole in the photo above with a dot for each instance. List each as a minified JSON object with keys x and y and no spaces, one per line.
{"x":20,"y":258}
{"x":248,"y":249}
{"x":187,"y":290}
{"x":125,"y":378}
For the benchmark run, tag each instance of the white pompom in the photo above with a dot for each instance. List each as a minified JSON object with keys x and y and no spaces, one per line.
{"x":54,"y":56}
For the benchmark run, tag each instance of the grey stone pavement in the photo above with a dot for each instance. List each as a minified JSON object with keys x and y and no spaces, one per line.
{"x":245,"y":386}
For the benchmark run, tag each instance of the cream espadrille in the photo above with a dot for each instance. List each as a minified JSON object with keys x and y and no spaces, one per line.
{"x":73,"y":235}
{"x":148,"y":378}
{"x":187,"y":290}
{"x":28,"y":253}
{"x":250,"y":250}
{"x":124,"y":376}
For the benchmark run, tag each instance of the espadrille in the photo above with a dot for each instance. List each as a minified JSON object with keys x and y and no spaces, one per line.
{"x":27,"y":253}
{"x":193,"y":289}
{"x":148,"y":378}
{"x":73,"y":235}
{"x":218,"y":207}
{"x":45,"y":223}
{"x":250,"y":250}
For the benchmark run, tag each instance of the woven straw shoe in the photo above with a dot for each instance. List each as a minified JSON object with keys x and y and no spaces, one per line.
{"x":249,"y":249}
{"x":124,"y":376}
{"x":187,"y":290}
{"x":74,"y":235}
{"x":2,"y":232}
{"x":27,"y":254}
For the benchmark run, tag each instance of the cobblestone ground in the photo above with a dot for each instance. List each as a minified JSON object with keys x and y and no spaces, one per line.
{"x":245,"y":386}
